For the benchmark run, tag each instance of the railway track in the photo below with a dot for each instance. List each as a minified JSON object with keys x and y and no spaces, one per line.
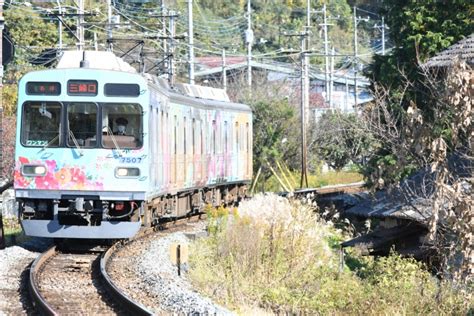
{"x":64,"y":282}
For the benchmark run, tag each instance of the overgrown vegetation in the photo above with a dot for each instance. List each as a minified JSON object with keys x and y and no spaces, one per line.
{"x":12,"y":231}
{"x":316,"y":179}
{"x":277,"y":255}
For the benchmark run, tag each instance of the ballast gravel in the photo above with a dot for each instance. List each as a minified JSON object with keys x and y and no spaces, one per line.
{"x":14,"y":269}
{"x":174,"y":293}
{"x":14,"y":262}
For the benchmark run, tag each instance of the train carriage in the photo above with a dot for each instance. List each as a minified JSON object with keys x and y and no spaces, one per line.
{"x":102,"y":150}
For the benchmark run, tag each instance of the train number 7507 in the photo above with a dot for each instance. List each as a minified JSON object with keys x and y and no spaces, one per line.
{"x":130,"y":159}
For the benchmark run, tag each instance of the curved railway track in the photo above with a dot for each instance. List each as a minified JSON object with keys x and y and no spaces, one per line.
{"x":65,"y":282}
{"x":76,"y":283}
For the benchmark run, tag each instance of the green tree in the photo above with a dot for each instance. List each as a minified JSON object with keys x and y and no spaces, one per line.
{"x":272,"y":125}
{"x":340,"y":138}
{"x":31,"y":34}
{"x":418,"y":31}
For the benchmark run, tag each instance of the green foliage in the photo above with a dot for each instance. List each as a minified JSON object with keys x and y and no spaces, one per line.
{"x":418,"y":32}
{"x":340,"y":138}
{"x":31,"y":35}
{"x":272,"y":123}
{"x":28,"y":28}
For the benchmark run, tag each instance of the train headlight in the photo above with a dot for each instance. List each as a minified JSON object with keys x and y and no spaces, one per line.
{"x":122,"y":172}
{"x":33,"y":170}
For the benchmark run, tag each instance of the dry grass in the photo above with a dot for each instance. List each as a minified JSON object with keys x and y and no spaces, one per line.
{"x":314,"y":180}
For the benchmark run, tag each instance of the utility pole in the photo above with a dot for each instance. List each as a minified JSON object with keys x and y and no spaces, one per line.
{"x":110,"y":46}
{"x":326,"y":52}
{"x":305,"y":82}
{"x":80,"y":25}
{"x":224,"y":71}
{"x":382,"y":28}
{"x":60,"y":26}
{"x":163,"y":23}
{"x":331,"y":79}
{"x":171,"y":70}
{"x":383,"y":37}
{"x":304,"y":107}
{"x":191,"y":41}
{"x":249,"y":41}
{"x":354,"y":65}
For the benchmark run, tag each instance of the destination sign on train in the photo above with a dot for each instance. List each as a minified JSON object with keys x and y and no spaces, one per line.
{"x":82,"y":87}
{"x":43,"y":88}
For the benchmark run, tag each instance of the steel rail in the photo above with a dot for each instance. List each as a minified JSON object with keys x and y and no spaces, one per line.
{"x":38,"y":300}
{"x":130,"y":305}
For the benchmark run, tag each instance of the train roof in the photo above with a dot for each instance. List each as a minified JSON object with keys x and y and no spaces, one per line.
{"x":96,"y":59}
{"x":201,"y":96}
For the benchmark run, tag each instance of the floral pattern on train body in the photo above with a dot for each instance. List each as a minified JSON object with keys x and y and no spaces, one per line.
{"x":58,"y":176}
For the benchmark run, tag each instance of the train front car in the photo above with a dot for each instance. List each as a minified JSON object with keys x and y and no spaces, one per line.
{"x":80,"y":161}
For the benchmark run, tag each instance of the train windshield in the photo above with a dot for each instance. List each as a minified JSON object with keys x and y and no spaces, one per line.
{"x":82,"y":124}
{"x":122,"y":125}
{"x":41,"y":124}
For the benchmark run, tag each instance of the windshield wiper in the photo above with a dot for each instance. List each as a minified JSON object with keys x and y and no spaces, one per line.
{"x":111,"y":134}
{"x":50,"y":142}
{"x":71,"y":134}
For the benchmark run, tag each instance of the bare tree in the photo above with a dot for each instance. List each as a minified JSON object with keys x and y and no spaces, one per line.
{"x":440,"y":142}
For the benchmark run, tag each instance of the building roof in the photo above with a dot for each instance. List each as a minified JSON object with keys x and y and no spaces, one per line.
{"x":462,"y":50}
{"x":412,"y":199}
{"x":212,"y":65}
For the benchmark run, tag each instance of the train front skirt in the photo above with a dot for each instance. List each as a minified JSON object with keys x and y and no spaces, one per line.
{"x":106,"y":230}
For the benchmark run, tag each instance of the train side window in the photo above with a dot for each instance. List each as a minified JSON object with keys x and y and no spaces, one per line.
{"x":202,"y":138}
{"x":242,"y":134}
{"x":41,"y":123}
{"x":225,"y":137}
{"x":213,"y":140}
{"x":247,"y":127}
{"x":237,"y":136}
{"x":184,"y":136}
{"x":175,"y":135}
{"x":194,"y":136}
{"x":160,"y":136}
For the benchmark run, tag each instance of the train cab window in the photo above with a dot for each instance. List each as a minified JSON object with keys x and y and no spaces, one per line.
{"x":82,"y":124}
{"x":41,"y":124}
{"x":122,"y":125}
